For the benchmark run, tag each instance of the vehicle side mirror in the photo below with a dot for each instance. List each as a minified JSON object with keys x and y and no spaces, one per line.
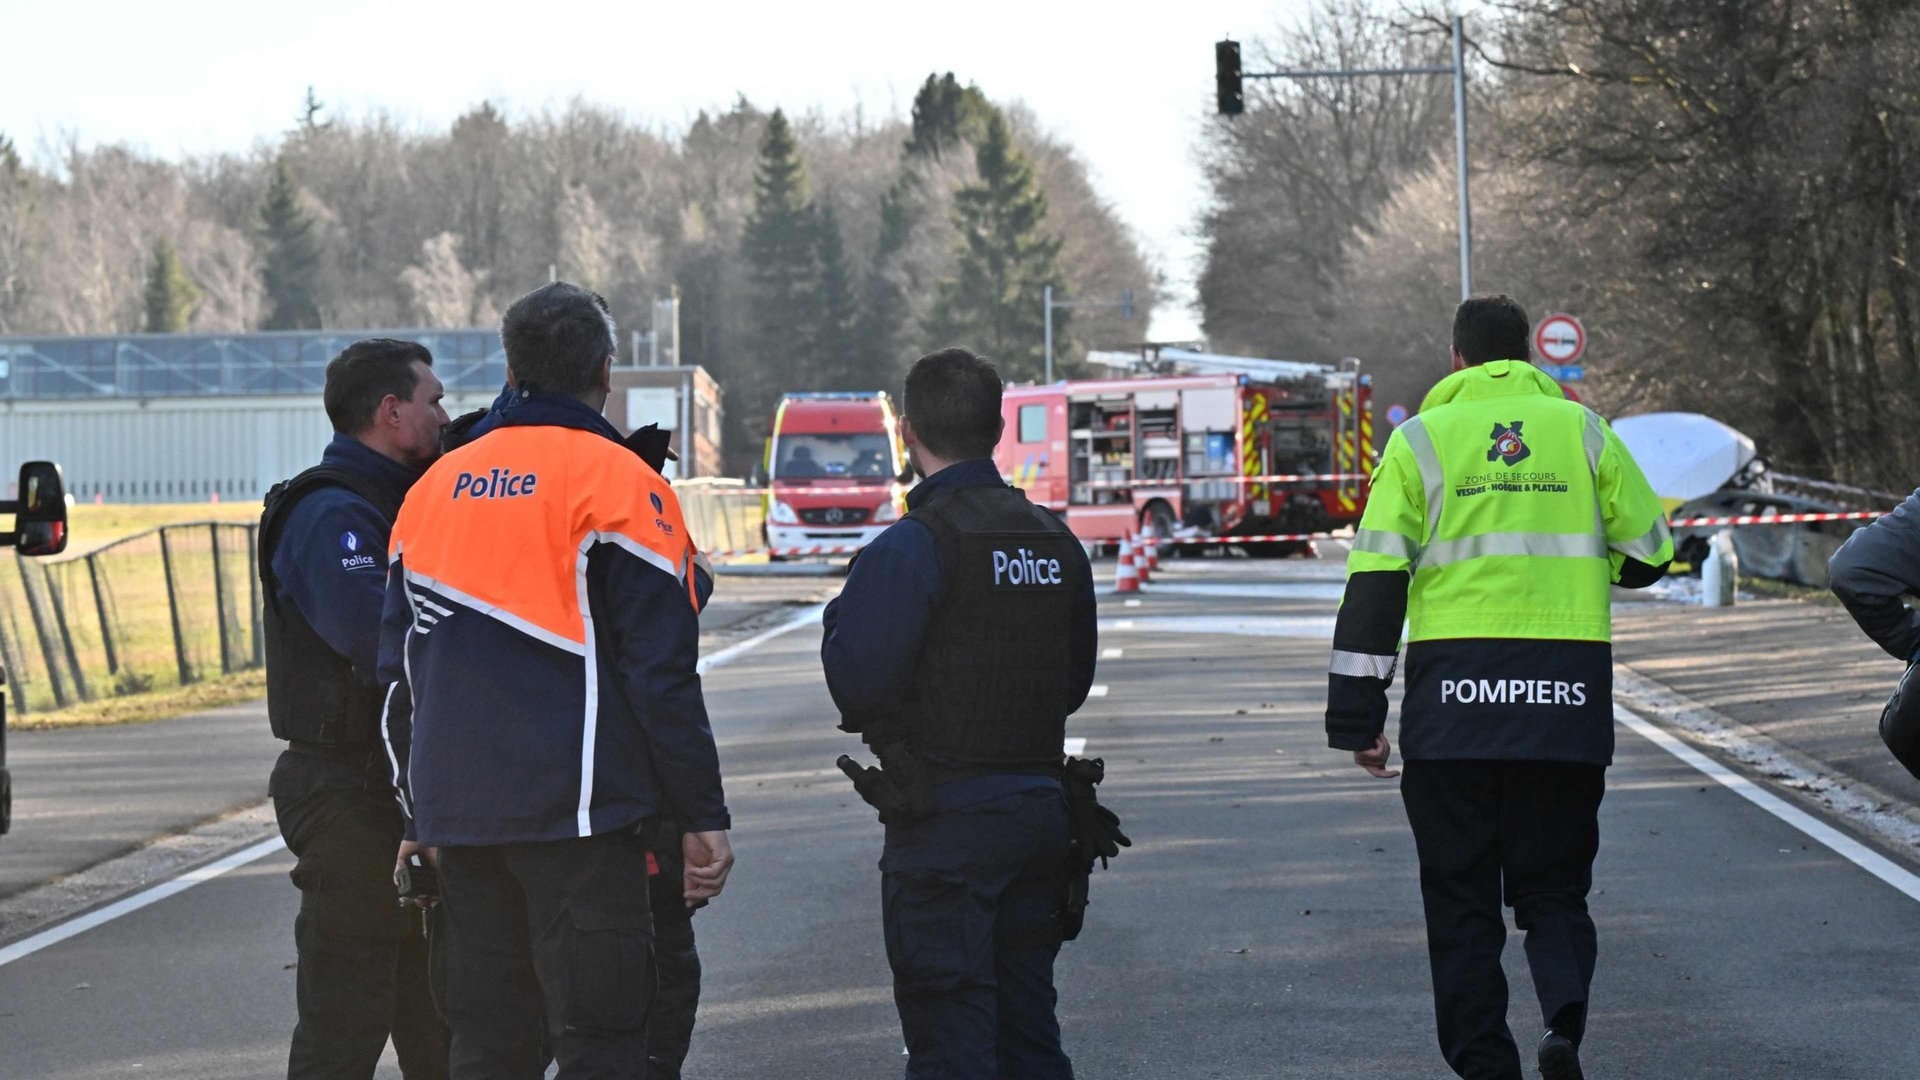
{"x":40,"y":511}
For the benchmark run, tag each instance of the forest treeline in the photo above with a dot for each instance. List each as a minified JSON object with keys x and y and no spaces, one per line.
{"x":809,"y":252}
{"x":1726,"y":193}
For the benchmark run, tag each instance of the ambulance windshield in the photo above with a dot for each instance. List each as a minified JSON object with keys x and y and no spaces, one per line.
{"x":809,"y":457}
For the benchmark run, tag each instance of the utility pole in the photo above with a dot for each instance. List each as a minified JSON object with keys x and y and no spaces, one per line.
{"x":1124,"y":304}
{"x":1231,"y":102}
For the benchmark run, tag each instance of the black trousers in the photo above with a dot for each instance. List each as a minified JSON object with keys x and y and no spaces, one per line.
{"x":970,"y":899}
{"x":676,"y":960}
{"x":553,"y":934}
{"x":1530,"y":830}
{"x":362,"y":974}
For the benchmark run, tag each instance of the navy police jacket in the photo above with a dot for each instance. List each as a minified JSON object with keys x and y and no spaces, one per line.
{"x":542,"y":630}
{"x":331,"y":559}
{"x":874,"y":628}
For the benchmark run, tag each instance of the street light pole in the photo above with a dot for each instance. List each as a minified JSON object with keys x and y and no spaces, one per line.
{"x":1124,"y":304}
{"x":1460,"y":155}
{"x":1049,"y":304}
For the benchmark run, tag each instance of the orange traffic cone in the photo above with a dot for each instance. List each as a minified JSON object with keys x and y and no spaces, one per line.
{"x":1140,"y":566}
{"x":1126,"y":578}
{"x":1153,"y":547}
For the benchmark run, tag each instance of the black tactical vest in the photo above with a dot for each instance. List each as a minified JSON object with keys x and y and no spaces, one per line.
{"x":991,"y":686}
{"x":313,"y":695}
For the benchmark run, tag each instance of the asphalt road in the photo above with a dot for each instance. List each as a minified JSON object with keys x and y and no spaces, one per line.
{"x":1265,"y":924}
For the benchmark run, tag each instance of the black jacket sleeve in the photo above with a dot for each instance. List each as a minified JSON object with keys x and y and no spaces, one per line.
{"x":1874,"y":569}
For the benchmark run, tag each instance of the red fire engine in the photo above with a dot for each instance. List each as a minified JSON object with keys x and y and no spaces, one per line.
{"x":1275,"y":448}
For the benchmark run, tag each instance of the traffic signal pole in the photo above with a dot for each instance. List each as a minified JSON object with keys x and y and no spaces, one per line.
{"x":1231,"y":101}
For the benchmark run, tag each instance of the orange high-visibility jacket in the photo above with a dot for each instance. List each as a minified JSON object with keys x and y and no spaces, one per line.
{"x":542,"y":622}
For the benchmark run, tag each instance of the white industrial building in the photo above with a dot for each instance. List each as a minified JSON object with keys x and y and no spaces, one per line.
{"x":183,"y":418}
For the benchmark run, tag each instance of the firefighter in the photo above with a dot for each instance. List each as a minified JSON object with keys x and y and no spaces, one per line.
{"x":362,"y":974}
{"x":541,"y":626}
{"x":1500,"y":516}
{"x":963,"y":639}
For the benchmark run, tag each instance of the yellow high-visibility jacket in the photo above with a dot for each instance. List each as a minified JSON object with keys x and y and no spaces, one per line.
{"x":1499,"y":519}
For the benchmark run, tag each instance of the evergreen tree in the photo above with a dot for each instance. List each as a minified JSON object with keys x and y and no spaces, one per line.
{"x":171,"y":294}
{"x":879,"y":341}
{"x":835,"y":316}
{"x":1004,"y":260}
{"x":946,"y":114}
{"x":779,"y":245}
{"x":292,"y":272}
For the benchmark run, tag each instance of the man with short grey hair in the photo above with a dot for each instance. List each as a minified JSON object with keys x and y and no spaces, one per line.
{"x":542,"y":624}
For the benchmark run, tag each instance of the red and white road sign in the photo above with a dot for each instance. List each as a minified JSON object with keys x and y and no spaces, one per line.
{"x":1560,"y":339}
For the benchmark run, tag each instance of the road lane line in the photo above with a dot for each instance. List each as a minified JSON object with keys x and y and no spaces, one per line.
{"x":1833,"y":839}
{"x":29,"y":945}
{"x":1131,"y":603}
{"x":1110,"y":654}
{"x":1097,"y":691}
{"x":1076,"y":747}
{"x":808,"y":616}
{"x":54,"y":935}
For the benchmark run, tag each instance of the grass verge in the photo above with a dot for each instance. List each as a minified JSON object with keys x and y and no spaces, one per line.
{"x":149,"y":706}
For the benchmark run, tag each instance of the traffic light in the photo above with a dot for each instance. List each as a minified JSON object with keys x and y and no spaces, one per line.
{"x":1226,"y":76}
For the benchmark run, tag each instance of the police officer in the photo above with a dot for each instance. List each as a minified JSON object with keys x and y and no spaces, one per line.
{"x":676,"y":954}
{"x":542,"y":628}
{"x":961,"y":642}
{"x":1506,"y":512}
{"x":323,"y":560}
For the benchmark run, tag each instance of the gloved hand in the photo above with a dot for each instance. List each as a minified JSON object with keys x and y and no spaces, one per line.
{"x":652,"y":445}
{"x":909,"y":776}
{"x":454,"y":435}
{"x":1095,"y":828}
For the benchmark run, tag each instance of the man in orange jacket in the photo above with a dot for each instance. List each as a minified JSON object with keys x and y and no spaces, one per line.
{"x":542,"y":631}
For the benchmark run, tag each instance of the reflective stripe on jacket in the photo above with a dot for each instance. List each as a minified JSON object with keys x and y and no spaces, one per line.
{"x":544,"y":599}
{"x":1500,"y":515}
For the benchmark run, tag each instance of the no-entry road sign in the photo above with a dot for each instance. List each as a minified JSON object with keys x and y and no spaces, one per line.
{"x":1560,"y":339}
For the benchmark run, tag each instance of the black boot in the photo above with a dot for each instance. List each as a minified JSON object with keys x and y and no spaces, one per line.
{"x":1559,"y":1058}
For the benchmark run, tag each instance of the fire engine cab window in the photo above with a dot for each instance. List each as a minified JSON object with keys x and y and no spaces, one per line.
{"x":1033,"y":423}
{"x":804,"y":457}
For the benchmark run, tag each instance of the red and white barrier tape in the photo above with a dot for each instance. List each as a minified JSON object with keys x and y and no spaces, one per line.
{"x":1289,"y":478}
{"x":881,"y":490}
{"x":877,"y":491}
{"x":1201,"y":540}
{"x":1776,"y":519}
{"x":787,"y":552}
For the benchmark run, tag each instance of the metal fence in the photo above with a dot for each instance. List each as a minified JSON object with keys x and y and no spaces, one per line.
{"x":181,"y":603}
{"x":166,"y":607}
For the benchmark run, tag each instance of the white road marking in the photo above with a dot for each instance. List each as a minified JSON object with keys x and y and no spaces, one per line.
{"x":1833,"y":839}
{"x":53,"y":936}
{"x":1255,"y":590}
{"x":29,"y":945}
{"x":1097,"y":691}
{"x":1076,"y":747}
{"x":1111,"y":654}
{"x":806,"y":617}
{"x":1131,"y":603}
{"x":1290,"y":626}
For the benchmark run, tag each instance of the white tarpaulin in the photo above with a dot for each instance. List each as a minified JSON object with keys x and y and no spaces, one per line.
{"x":1684,"y":455}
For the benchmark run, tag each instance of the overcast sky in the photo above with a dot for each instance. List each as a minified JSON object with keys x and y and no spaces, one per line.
{"x":1127,"y":84}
